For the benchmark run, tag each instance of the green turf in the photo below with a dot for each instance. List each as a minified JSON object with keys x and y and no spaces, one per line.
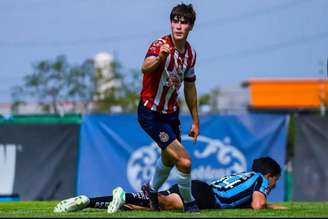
{"x":44,"y":209}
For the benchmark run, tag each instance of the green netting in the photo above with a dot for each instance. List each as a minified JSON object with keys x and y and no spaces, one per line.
{"x":41,"y":119}
{"x":288,"y":186}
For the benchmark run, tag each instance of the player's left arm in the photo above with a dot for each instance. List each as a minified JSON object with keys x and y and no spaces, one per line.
{"x":190,"y":94}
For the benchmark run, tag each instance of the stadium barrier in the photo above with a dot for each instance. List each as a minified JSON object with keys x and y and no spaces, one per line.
{"x":310,"y":172}
{"x":115,"y":151}
{"x":38,"y":157}
{"x":52,"y":160}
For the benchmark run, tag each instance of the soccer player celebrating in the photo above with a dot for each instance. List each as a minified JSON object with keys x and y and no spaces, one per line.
{"x":170,"y":61}
{"x":240,"y":190}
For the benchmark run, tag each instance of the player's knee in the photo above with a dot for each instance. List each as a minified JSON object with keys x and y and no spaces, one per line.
{"x":185,"y":164}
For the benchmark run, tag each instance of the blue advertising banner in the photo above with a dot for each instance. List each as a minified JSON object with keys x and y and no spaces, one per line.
{"x":115,"y":151}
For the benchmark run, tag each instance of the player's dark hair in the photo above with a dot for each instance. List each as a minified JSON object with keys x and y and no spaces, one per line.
{"x":186,"y":11}
{"x":266,"y":165}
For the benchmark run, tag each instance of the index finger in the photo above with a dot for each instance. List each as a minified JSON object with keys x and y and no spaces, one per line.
{"x":195,"y":139}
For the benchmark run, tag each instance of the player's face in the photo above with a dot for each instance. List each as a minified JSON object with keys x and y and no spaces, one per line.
{"x":273,"y":181}
{"x":180,"y":28}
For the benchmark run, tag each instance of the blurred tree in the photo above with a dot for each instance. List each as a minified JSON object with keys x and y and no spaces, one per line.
{"x":81,"y":83}
{"x":53,"y":83}
{"x":17,"y":99}
{"x":214,"y":98}
{"x":131,"y":89}
{"x":204,"y":99}
{"x":46,"y":84}
{"x":124,"y":90}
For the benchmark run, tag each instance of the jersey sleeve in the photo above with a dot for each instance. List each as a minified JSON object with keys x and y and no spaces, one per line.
{"x":154,"y":48}
{"x":190,"y":75}
{"x":262,"y":185}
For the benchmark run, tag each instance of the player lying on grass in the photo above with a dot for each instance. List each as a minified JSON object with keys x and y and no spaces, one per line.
{"x":242,"y":190}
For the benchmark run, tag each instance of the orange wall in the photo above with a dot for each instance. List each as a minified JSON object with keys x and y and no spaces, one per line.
{"x":287,"y":93}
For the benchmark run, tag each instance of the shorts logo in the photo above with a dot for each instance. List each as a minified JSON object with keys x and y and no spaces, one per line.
{"x":163,"y":136}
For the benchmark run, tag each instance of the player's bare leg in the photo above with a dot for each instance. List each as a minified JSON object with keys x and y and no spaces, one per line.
{"x":177,"y":154}
{"x":170,"y":202}
{"x":166,"y":202}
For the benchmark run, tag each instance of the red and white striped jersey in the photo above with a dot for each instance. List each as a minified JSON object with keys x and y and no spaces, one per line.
{"x":161,"y":88}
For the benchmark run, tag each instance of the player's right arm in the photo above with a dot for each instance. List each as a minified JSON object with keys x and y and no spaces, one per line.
{"x":259,"y":196}
{"x":151,"y":63}
{"x":258,"y":200}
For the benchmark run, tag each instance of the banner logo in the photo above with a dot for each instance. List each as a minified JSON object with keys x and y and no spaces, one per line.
{"x":7,"y":167}
{"x":141,"y":165}
{"x":216,"y":159}
{"x":212,"y":159}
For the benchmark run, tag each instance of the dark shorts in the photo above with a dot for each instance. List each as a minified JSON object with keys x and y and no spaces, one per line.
{"x":201,"y":191}
{"x":162,"y":128}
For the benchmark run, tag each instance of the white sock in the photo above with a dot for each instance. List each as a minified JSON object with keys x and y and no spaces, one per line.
{"x":184,"y":184}
{"x":161,"y":174}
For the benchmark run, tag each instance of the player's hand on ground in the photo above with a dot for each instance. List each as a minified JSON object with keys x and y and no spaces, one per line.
{"x":194,"y":132}
{"x":278,"y":207}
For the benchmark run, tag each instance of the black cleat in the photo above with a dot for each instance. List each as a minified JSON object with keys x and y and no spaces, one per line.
{"x":153,"y":197}
{"x":191,"y":207}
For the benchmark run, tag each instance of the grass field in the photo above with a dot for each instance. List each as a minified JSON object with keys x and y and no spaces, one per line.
{"x":44,"y":209}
